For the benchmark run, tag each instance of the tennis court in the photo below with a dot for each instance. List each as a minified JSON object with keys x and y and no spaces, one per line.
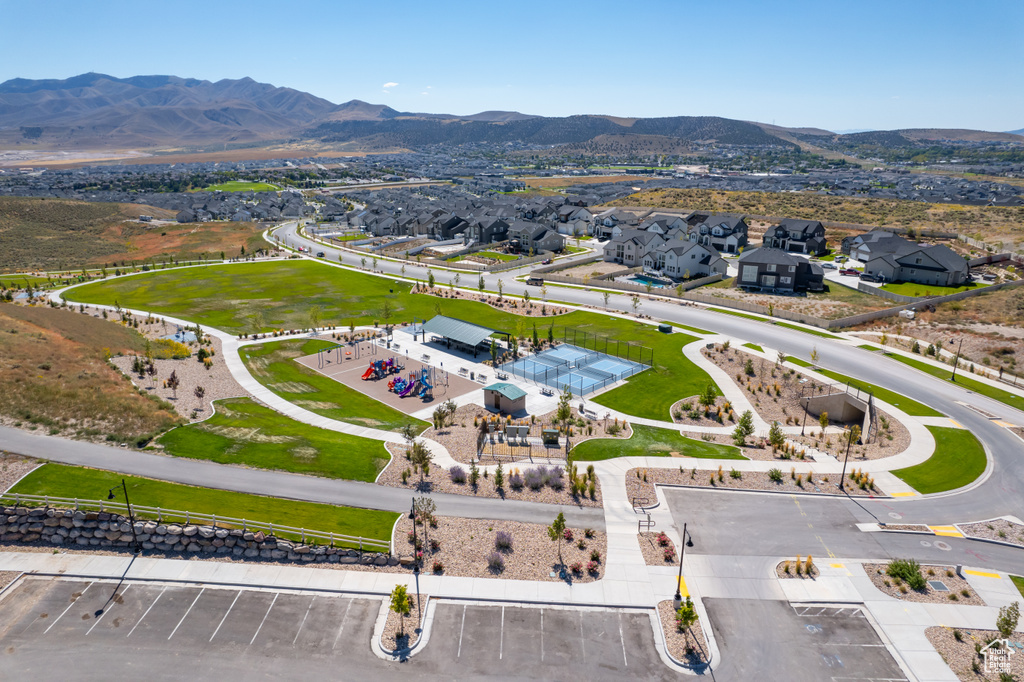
{"x":583,"y":371}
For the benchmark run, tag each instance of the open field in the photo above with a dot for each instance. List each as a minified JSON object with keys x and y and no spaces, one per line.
{"x":835,"y":302}
{"x":92,"y":484}
{"x":273,"y":365}
{"x":552,"y":183}
{"x":964,"y":379}
{"x":54,"y":375}
{"x":958,"y":460}
{"x":648,"y":441}
{"x":227,"y":296}
{"x":239,"y":186}
{"x":787,"y":325}
{"x":244,"y":432}
{"x":911,"y":289}
{"x":981,"y":222}
{"x":56,"y":234}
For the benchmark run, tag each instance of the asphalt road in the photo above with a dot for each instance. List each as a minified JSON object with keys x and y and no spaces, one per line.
{"x":1001,"y":493}
{"x":282,"y":484}
{"x":757,"y":524}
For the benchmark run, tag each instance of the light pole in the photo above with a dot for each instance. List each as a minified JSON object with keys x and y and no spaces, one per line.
{"x":956,"y":360}
{"x":842,"y":477}
{"x":687,"y":541}
{"x":136,"y":548}
{"x":806,"y":409}
{"x":415,"y":548}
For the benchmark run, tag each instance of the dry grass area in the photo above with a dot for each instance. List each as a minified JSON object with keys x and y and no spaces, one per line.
{"x":689,"y":647}
{"x":981,"y":222}
{"x":962,"y":658}
{"x":471,"y":548}
{"x":544,"y":183}
{"x":138,"y":242}
{"x":54,"y":374}
{"x":591,"y":269}
{"x":959,"y":592}
{"x":835,"y":302}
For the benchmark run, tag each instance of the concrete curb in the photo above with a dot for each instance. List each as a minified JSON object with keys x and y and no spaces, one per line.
{"x":400,"y":654}
{"x":661,"y":646}
{"x":770,"y":492}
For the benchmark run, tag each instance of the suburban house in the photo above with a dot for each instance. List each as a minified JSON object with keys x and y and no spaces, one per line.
{"x":797,"y":236}
{"x":527,"y":237}
{"x":895,"y":259}
{"x":776,"y":271}
{"x":873,"y":243}
{"x":630,"y":247}
{"x":727,"y":234}
{"x":683,"y":259}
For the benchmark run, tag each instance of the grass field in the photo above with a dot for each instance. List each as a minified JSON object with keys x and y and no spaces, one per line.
{"x":758,"y":318}
{"x":753,"y":346}
{"x":964,"y":379}
{"x":239,"y":186}
{"x":695,"y":330}
{"x":226,"y":297}
{"x":273,"y":365}
{"x":648,"y":441}
{"x":54,"y":376}
{"x":911,"y":407}
{"x":92,"y":484}
{"x":911,"y":289}
{"x":1019,"y":583}
{"x":494,"y":255}
{"x":867,"y":346}
{"x":958,"y":460}
{"x":244,"y":432}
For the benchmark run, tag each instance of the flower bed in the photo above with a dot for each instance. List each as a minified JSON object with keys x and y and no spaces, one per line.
{"x":962,"y":657}
{"x":997,"y":529}
{"x":411,"y":624}
{"x":510,"y":550}
{"x":800,"y":568}
{"x":698,"y":652}
{"x":959,"y":590}
{"x":658,"y":549}
{"x":636,"y":486}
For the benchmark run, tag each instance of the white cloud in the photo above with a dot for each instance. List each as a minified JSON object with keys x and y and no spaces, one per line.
{"x":424,"y":93}
{"x":389,"y":85}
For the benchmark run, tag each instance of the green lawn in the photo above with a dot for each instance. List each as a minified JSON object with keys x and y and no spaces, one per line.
{"x":737,"y":313}
{"x":963,"y":377}
{"x":226,"y":297}
{"x":244,"y":432}
{"x":797,"y":361}
{"x":239,"y":186}
{"x":958,"y":460}
{"x":911,"y":407}
{"x":911,"y":289}
{"x":648,"y":441}
{"x":92,"y":484}
{"x":867,"y":346}
{"x":807,"y":330}
{"x":1019,"y":582}
{"x":695,"y":330}
{"x":273,"y":365}
{"x":754,"y":346}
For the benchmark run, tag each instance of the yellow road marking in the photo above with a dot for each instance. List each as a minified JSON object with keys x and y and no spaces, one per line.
{"x":837,"y":565}
{"x":682,"y":588}
{"x":955,"y":423}
{"x":948,"y":531}
{"x":983,"y":574}
{"x":904,"y":494}
{"x":829,"y":551}
{"x":1002,"y":423}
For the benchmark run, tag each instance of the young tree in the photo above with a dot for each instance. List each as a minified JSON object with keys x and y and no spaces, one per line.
{"x":257,"y":321}
{"x":556,"y":531}
{"x":421,"y":457}
{"x":853,"y":435}
{"x":551,"y":333}
{"x":781,"y":359}
{"x":386,"y":312}
{"x":775,"y":436}
{"x":1006,"y":623}
{"x":199,"y":393}
{"x":814,"y":355}
{"x":315,"y":315}
{"x":536,"y":339}
{"x":424,"y":509}
{"x":480,"y":283}
{"x":823,"y":420}
{"x":686,"y":617}
{"x":564,"y":411}
{"x":430,"y":279}
{"x":544,"y":292}
{"x":173,"y":382}
{"x":373,"y":263}
{"x":744,"y":428}
{"x":526,"y":296}
{"x":636,"y":303}
{"x":403,"y":270}
{"x":401,"y":604}
{"x":501,"y":287}
{"x":709,"y":395}
{"x":605,"y":296}
{"x":499,"y":477}
{"x":494,"y":352}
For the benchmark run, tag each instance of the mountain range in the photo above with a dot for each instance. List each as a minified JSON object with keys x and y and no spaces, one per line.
{"x":99,"y":111}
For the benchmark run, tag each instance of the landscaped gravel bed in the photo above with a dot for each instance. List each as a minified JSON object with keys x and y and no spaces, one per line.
{"x":960,"y":656}
{"x":656,"y":554}
{"x":751,"y":480}
{"x":677,"y":641}
{"x":465,"y":547}
{"x":957,"y":586}
{"x":13,"y":467}
{"x":787,"y":569}
{"x":7,"y":577}
{"x":997,"y":529}
{"x":390,"y":639}
{"x":906,"y":526}
{"x":439,"y":480}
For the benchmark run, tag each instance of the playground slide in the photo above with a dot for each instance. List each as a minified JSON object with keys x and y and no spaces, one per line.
{"x":367,"y":374}
{"x":408,"y":389}
{"x":426,"y":387}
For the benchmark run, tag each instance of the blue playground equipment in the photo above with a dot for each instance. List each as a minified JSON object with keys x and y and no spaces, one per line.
{"x":427,"y":386}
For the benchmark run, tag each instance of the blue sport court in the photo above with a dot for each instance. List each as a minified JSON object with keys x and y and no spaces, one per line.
{"x":583,"y":371}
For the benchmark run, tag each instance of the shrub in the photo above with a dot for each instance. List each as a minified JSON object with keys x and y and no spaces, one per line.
{"x":592,"y":567}
{"x":515,"y":480}
{"x":567,"y":535}
{"x":496,"y":562}
{"x":581,"y":544}
{"x":663,"y":540}
{"x":457,"y":474}
{"x":735,"y":473}
{"x":534,"y":479}
{"x":775,"y":475}
{"x":435,"y":544}
{"x":554,"y":478}
{"x":576,"y":567}
{"x":438,"y":567}
{"x":588,"y":532}
{"x":907,"y":570}
{"x":595,"y":555}
{"x":503,"y":540}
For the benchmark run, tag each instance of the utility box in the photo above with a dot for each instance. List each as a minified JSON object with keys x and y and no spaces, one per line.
{"x":665,"y":328}
{"x":550,"y":436}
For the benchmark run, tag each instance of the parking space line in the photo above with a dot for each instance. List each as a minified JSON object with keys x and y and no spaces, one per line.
{"x":81,"y":594}
{"x":461,"y":630}
{"x":343,"y":619}
{"x":186,"y":613}
{"x":583,"y":643}
{"x":97,"y":622}
{"x":623,"y":640}
{"x":272,"y":602}
{"x":501,"y":636}
{"x":542,"y":635}
{"x":147,"y":612}
{"x":225,"y":615}
{"x":303,"y":620}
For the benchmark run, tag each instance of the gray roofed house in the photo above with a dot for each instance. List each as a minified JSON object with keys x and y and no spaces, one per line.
{"x":630,"y":247}
{"x":776,"y":271}
{"x":797,"y":236}
{"x":727,"y":233}
{"x":684,"y":259}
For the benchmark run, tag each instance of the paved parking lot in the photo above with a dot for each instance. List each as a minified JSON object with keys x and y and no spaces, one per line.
{"x":102,"y":630}
{"x":772,"y":640}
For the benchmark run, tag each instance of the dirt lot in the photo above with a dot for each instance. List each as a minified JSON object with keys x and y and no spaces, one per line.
{"x":835,"y":302}
{"x":592,"y":269}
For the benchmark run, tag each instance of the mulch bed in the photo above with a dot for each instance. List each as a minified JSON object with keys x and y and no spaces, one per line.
{"x":13,"y":467}
{"x":787,"y":569}
{"x":961,"y":656}
{"x":958,"y":587}
{"x":698,"y":651}
{"x":654,"y":553}
{"x":997,"y":529}
{"x":636,"y":486}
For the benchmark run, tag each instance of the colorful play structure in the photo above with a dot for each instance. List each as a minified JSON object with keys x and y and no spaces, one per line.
{"x":381,"y":368}
{"x":419,"y":385}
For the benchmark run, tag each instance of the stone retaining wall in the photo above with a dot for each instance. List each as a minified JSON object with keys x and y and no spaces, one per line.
{"x":85,"y":529}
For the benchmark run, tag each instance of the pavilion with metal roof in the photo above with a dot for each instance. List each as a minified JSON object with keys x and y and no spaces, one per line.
{"x":463,"y":333}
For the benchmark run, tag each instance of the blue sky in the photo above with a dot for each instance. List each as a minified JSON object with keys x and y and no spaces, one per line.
{"x":832,"y":64}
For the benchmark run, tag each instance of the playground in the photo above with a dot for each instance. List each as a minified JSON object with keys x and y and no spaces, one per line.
{"x":389,"y":376}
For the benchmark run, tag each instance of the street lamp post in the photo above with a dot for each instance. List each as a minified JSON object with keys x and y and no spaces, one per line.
{"x":415,"y":543}
{"x":807,"y":406}
{"x":136,"y":548}
{"x":842,"y":477}
{"x":956,"y":360}
{"x":687,"y":541}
